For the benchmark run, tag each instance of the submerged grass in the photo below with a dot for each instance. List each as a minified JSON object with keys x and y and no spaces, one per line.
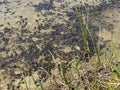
{"x":38,"y":84}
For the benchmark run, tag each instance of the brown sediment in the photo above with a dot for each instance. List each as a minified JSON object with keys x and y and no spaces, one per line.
{"x":29,"y":30}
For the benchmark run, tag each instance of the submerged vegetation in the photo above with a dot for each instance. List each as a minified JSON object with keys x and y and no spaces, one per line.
{"x":94,"y":69}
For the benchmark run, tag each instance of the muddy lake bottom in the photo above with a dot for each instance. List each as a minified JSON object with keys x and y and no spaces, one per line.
{"x":35,"y":36}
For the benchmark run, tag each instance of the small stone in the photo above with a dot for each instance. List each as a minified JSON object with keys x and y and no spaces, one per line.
{"x":61,"y":33}
{"x":35,"y":39}
{"x":77,"y":47}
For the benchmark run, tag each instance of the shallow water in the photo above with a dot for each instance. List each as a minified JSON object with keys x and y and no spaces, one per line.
{"x":31,"y":29}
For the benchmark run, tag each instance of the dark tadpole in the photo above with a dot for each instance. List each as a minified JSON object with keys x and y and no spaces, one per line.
{"x":51,"y":3}
{"x":1,"y":25}
{"x":8,"y":23}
